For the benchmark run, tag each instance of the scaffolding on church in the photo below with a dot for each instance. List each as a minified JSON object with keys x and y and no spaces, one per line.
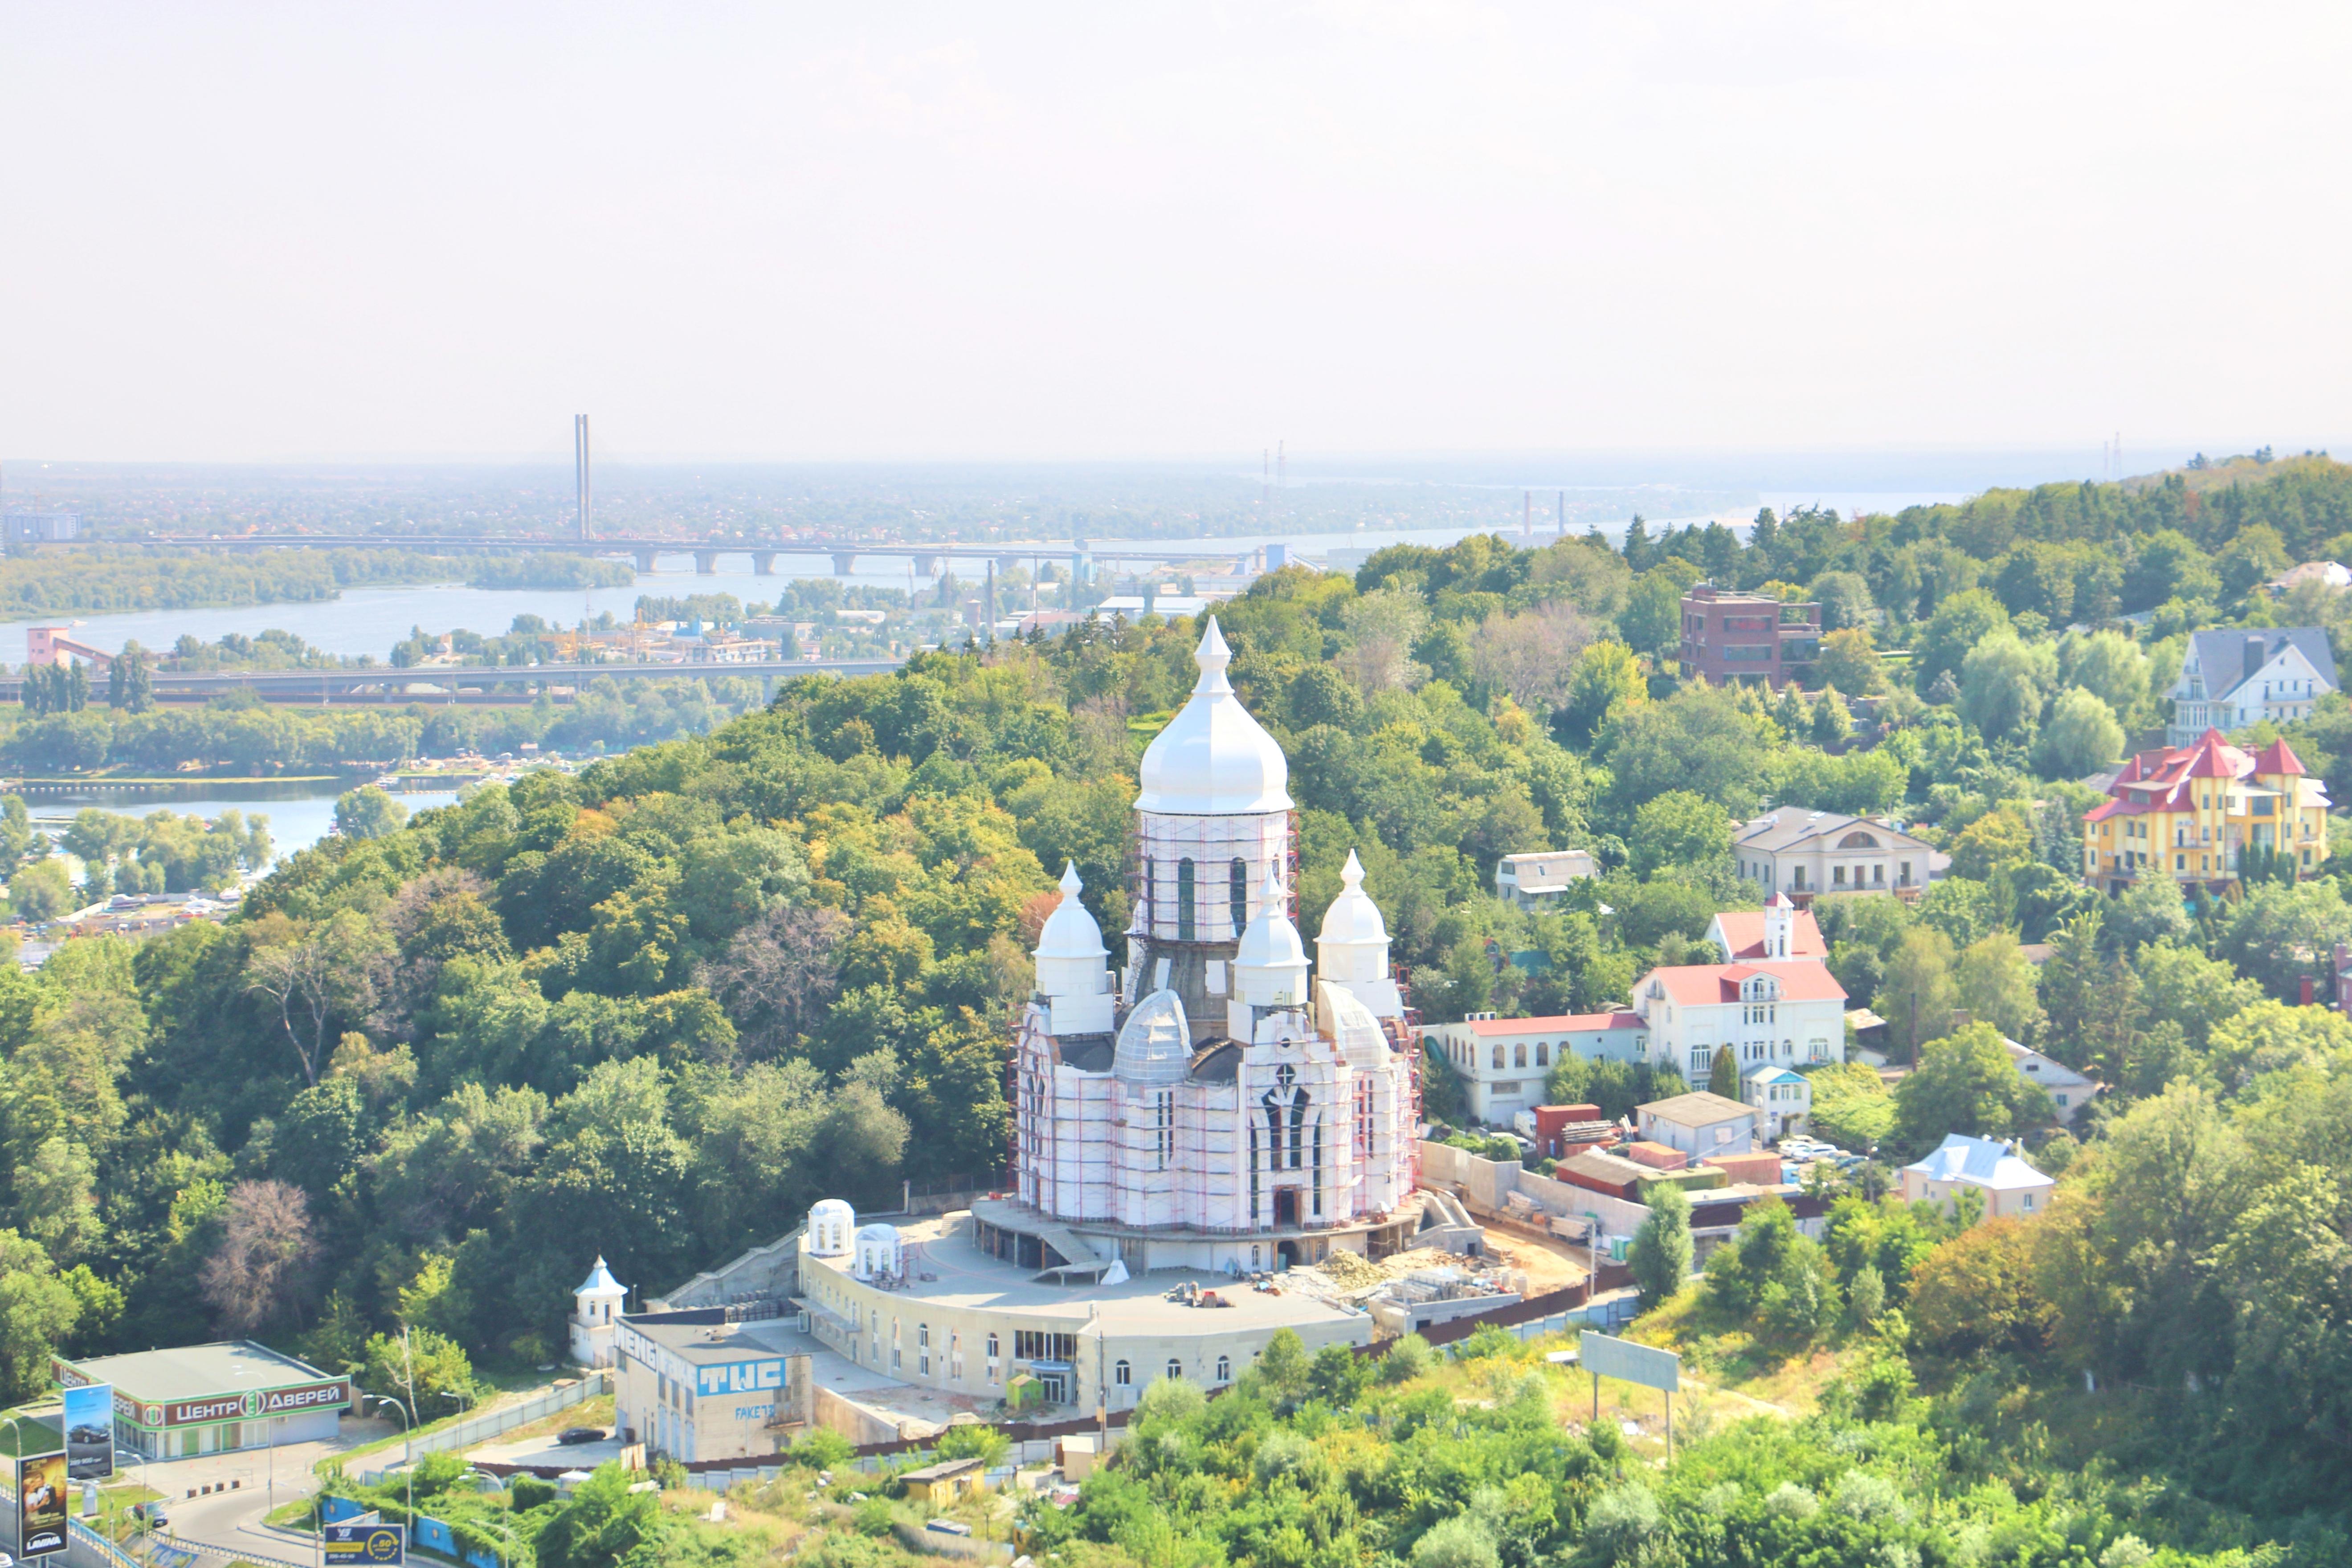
{"x":1226,"y":857}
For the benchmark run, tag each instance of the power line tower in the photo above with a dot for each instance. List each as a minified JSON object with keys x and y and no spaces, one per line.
{"x":579,"y":468}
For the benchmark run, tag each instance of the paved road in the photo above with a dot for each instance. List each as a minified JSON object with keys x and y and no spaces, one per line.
{"x":265,"y":1478}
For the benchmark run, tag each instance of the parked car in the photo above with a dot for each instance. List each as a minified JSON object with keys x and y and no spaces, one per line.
{"x":573,"y":1435}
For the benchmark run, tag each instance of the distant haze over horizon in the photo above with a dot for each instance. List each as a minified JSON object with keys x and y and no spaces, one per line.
{"x":1162,"y":499}
{"x":937,"y":233}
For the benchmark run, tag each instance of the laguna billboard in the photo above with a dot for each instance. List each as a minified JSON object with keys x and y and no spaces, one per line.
{"x":41,"y":1504}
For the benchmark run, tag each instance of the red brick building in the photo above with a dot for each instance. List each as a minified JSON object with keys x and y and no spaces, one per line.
{"x":1751,"y":637}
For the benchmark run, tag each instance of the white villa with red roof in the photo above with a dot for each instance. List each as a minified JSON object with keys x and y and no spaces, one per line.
{"x":2191,"y":813}
{"x":1777,"y":1013}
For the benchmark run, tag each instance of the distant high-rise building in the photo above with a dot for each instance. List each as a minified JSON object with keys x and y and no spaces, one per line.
{"x":40,"y":526}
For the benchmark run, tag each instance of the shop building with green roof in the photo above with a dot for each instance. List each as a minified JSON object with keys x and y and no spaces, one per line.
{"x":193,"y":1400}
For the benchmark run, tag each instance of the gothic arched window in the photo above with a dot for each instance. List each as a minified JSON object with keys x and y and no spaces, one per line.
{"x":1237,"y":893}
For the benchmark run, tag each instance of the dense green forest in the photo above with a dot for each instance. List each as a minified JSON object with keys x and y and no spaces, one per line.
{"x":246,"y":736}
{"x":656,"y":1009}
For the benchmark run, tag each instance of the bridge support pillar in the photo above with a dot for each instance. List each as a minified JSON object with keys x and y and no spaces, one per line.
{"x":706,"y":561}
{"x":645,"y":562}
{"x":927,"y":565}
{"x":842,"y":562}
{"x":764,"y":562}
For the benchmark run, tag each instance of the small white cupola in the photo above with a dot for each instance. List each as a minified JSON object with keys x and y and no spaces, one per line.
{"x":881,"y":1254}
{"x":830,"y":1223}
{"x":1270,"y":969}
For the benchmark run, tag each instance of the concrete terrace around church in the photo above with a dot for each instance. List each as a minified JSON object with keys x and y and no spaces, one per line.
{"x":950,"y":1275}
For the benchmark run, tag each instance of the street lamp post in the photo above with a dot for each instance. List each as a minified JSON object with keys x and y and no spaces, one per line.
{"x":505,"y":1530}
{"x":408,"y":1457}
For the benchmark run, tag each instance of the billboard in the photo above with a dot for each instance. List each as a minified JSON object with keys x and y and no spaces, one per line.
{"x":364,"y":1545}
{"x":41,"y":1504}
{"x":90,"y":1432}
{"x":1604,"y":1357}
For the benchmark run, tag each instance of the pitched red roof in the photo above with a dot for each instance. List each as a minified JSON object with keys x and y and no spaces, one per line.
{"x":2278,"y":757}
{"x":2160,"y":780}
{"x":1743,"y":931}
{"x":1705,"y":985}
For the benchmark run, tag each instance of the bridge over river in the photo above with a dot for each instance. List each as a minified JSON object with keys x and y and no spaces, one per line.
{"x":457,"y":683}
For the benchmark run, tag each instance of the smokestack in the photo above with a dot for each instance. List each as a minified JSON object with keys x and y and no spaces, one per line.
{"x":579,"y":468}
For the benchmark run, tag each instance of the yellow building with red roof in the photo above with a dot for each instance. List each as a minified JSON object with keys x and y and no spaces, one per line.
{"x":2191,"y":813}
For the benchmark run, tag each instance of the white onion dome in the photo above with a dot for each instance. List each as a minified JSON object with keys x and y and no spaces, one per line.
{"x":1070,"y":931}
{"x":1214,"y":759}
{"x":1353,"y":920}
{"x":1070,"y":951}
{"x":1155,"y":1044}
{"x":1270,"y":967}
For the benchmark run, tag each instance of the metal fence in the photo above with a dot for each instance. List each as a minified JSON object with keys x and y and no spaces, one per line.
{"x":480,"y":1428}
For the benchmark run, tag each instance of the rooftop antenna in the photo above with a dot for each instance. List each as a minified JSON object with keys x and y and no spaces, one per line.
{"x":579,"y":468}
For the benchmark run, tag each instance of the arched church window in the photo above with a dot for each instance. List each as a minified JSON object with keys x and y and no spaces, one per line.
{"x":1185,"y":893}
{"x":1237,"y":893}
{"x":1298,"y":1124}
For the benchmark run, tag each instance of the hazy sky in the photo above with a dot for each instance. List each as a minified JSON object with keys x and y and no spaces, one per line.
{"x":241,"y":231}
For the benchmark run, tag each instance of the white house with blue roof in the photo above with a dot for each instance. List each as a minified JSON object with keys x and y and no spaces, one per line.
{"x":1782,"y":1097}
{"x":2008,"y":1184}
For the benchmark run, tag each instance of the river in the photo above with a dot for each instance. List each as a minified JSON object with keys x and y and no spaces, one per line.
{"x":369,"y":620}
{"x":300,"y":811}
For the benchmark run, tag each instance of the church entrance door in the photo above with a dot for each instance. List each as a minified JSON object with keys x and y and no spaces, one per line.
{"x":1288,"y":1252}
{"x":1285,"y":1209}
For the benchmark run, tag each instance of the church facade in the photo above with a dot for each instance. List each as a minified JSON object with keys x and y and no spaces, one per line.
{"x":1216,"y":1102}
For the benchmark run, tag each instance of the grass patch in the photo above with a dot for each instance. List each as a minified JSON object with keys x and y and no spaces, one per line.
{"x":1738,"y":1359}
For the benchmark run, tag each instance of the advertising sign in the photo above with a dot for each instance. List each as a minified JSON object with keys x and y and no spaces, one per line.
{"x":1651,"y":1368}
{"x":90,"y":1432}
{"x":41,"y":1505}
{"x":364,"y":1545}
{"x":259,"y":1402}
